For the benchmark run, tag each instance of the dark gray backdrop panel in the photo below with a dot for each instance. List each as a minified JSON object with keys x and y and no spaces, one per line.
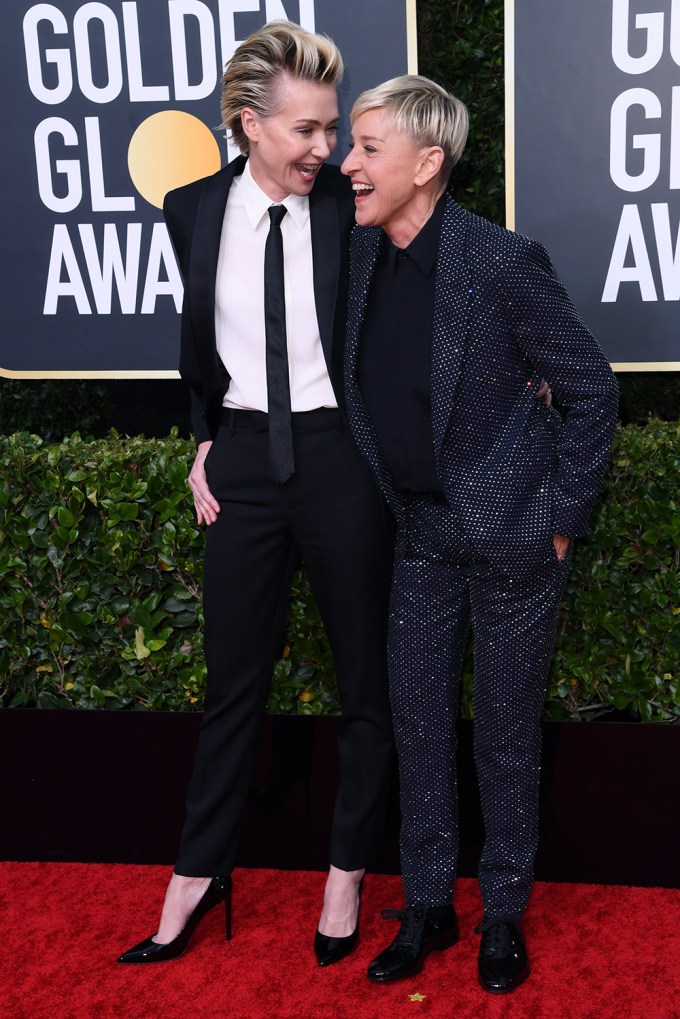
{"x":565,"y":84}
{"x":373,"y":40}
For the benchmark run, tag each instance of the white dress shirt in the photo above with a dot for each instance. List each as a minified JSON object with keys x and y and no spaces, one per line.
{"x":239,"y":301}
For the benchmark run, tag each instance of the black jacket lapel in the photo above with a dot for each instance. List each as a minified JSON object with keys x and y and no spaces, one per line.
{"x":364,"y":255}
{"x":325,"y":231}
{"x":453,"y":293}
{"x":205,"y":249}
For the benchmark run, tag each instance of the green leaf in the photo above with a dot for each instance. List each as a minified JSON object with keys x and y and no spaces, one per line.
{"x":174,"y":605}
{"x":65,"y":517}
{"x":128,"y":510}
{"x":141,"y":650}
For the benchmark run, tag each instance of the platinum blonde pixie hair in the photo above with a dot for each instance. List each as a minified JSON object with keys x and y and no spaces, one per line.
{"x":253,"y":75}
{"x":423,"y":110}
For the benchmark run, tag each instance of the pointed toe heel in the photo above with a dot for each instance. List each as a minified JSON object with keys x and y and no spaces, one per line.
{"x":219,"y":890}
{"x":329,"y":950}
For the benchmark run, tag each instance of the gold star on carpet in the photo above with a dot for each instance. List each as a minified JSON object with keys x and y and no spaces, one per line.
{"x":416,"y":997}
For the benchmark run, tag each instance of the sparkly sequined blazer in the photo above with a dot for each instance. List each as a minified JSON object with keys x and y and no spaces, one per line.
{"x":513,"y":471}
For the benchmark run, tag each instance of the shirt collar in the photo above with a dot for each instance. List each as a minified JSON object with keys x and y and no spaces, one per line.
{"x":424,"y":247}
{"x":256,"y":202}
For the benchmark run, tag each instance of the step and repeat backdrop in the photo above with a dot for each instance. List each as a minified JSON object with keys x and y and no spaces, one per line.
{"x":106,"y":107}
{"x":593,"y":133}
{"x":109,"y":105}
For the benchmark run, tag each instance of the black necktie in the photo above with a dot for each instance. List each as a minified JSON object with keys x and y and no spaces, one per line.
{"x":281,"y":462}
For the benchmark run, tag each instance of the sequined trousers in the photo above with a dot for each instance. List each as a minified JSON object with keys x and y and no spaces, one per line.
{"x":440,"y":592}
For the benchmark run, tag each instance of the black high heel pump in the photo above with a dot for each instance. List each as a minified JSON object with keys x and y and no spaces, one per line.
{"x":329,"y":950}
{"x":219,"y":890}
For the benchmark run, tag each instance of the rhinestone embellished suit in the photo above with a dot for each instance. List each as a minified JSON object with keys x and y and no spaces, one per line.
{"x":513,"y":472}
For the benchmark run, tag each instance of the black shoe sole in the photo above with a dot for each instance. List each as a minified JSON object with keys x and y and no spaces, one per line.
{"x":519,"y":979}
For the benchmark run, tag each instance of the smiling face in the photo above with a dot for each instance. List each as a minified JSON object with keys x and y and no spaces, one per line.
{"x":287,"y":149}
{"x":386,"y":170}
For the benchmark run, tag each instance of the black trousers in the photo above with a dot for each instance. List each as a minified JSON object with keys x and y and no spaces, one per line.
{"x":440,"y":592}
{"x":331,"y":515}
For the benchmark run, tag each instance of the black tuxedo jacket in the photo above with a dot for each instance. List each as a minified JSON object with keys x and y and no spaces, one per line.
{"x":194,"y":215}
{"x":513,"y":471}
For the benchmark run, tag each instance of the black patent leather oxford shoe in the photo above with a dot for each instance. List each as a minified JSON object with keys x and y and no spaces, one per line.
{"x":502,"y":963}
{"x":423,"y":929}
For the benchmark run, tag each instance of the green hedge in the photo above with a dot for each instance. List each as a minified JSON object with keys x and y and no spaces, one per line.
{"x":620,"y":639}
{"x":100,"y":568}
{"x":460,"y":45}
{"x":53,"y":408}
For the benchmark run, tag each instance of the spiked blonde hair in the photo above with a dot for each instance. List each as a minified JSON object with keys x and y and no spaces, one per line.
{"x":424,"y":111}
{"x":253,"y":75}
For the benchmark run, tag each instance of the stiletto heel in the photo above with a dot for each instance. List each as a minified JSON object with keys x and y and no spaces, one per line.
{"x":219,"y":890}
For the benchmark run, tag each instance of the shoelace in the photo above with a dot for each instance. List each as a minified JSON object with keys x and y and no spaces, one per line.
{"x":498,"y":939}
{"x":411,"y":919}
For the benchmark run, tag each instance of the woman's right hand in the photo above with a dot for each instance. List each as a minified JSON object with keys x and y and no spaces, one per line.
{"x":207,"y":507}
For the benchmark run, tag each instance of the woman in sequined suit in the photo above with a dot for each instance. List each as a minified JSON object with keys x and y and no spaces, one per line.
{"x":452,"y":321}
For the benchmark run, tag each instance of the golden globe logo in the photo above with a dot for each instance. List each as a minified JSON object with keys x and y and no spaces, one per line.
{"x":109,"y":258}
{"x":639,"y":43}
{"x":170,"y":149}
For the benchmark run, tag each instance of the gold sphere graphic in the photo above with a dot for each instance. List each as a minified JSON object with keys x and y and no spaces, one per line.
{"x":169,"y":149}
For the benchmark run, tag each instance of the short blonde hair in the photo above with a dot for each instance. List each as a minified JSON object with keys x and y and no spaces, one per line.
{"x":423,"y":110}
{"x":252,"y":76}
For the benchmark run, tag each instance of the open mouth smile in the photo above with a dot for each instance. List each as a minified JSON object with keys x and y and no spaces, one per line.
{"x":308,"y":170}
{"x":362,"y":191}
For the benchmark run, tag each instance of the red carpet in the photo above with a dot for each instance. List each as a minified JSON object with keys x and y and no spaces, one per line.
{"x":596,"y":952}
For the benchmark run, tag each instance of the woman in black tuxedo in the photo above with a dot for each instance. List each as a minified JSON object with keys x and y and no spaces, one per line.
{"x":277,"y":478}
